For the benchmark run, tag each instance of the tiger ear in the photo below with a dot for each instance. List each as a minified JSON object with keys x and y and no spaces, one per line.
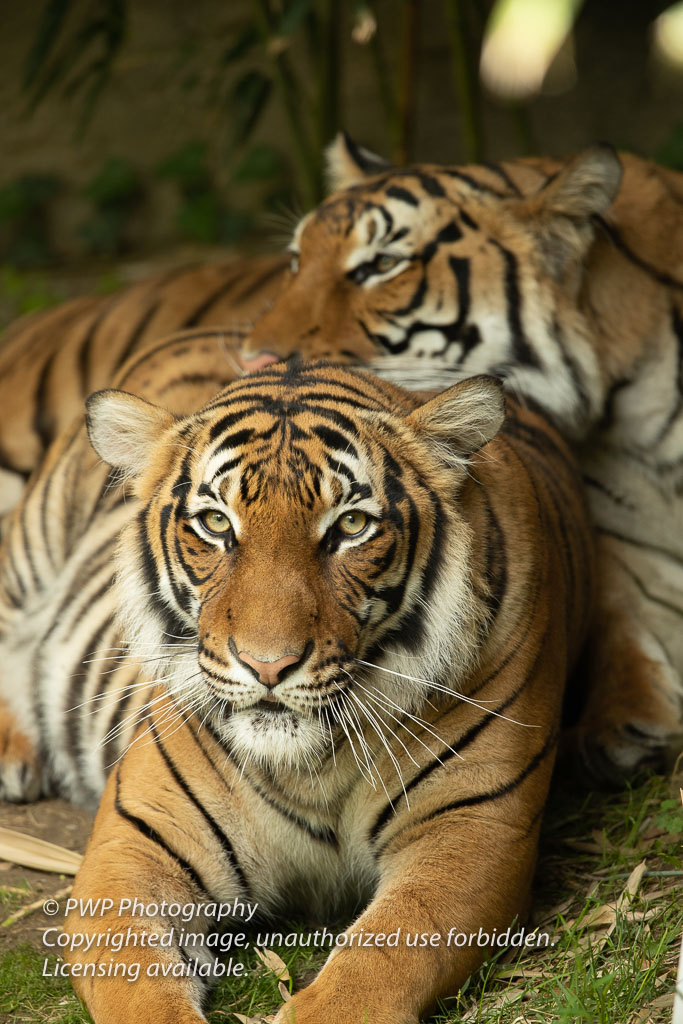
{"x":562,"y":211}
{"x":348,"y":164}
{"x":458,"y":422}
{"x":122,"y":428}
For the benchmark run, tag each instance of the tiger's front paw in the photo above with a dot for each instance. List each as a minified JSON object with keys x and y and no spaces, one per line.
{"x":631,"y":722}
{"x":618,"y":751}
{"x":20,"y":774}
{"x":318,"y":1006}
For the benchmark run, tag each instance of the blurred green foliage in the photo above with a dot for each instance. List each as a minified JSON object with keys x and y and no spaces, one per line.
{"x":670,"y":151}
{"x":24,"y":219}
{"x":115,"y":193}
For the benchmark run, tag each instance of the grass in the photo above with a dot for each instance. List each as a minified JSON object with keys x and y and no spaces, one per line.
{"x":613,"y":960}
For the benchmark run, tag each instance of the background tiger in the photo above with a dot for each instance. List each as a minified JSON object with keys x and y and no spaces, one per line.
{"x":51,"y":361}
{"x":362,"y":624}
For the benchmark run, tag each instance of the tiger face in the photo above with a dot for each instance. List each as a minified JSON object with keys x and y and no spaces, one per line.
{"x":462,"y":267}
{"x":293,"y":532}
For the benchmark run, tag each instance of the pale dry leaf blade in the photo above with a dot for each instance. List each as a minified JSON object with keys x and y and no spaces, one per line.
{"x":29,"y":852}
{"x":284,"y":991}
{"x":273,"y":963}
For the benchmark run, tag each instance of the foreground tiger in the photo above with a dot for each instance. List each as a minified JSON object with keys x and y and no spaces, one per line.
{"x":362,"y":615}
{"x":560,"y":278}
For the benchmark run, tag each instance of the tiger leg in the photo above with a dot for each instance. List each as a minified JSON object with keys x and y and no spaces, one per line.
{"x":153,"y":845}
{"x":20,"y":773}
{"x":464,"y":873}
{"x":117,"y":984}
{"x":632,"y":712}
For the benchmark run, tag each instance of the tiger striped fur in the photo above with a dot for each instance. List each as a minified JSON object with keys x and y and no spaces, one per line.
{"x":51,"y":361}
{"x":563,"y":279}
{"x":360,"y":615}
{"x":555,"y":276}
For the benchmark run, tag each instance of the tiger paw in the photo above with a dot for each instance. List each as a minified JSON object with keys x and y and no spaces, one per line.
{"x":20,"y":773}
{"x":619,"y":751}
{"x":317,"y":1005}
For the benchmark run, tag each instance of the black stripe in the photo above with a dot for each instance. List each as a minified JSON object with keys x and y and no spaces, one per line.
{"x":650,"y":596}
{"x":151,"y":833}
{"x":137,"y":333}
{"x":84,"y":349}
{"x":250,"y":289}
{"x":73,"y":713}
{"x":638,"y":543}
{"x":467,"y":179}
{"x":500,"y":171}
{"x":197,"y":335}
{"x":458,"y":744}
{"x":218,"y":832}
{"x":111,"y":730}
{"x":659,"y":275}
{"x":322,"y":833}
{"x":43,"y":421}
{"x":203,"y":308}
{"x":486,"y":797}
{"x":402,"y":194}
{"x":524,"y":354}
{"x":677,"y":327}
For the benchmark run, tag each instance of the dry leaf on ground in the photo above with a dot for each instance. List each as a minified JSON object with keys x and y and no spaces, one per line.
{"x":273,"y":963}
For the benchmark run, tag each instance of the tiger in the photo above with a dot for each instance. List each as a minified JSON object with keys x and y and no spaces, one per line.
{"x":563,"y":278}
{"x":51,"y":360}
{"x":553,"y":276}
{"x":350,"y":611}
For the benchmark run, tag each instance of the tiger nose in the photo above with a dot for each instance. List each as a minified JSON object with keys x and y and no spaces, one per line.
{"x":268,"y":671}
{"x":251,"y":362}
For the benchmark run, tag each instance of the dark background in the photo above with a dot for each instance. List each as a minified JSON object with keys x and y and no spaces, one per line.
{"x":139,"y":130}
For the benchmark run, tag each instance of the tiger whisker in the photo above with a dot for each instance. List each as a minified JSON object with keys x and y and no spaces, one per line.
{"x":145,"y":708}
{"x":419,"y":722}
{"x":383,"y":699}
{"x":386,"y":724}
{"x":358,"y":729}
{"x":329,"y":728}
{"x":138,"y":685}
{"x":451,"y":693}
{"x":361,"y":768}
{"x":415,"y":679}
{"x":171,"y":717}
{"x":129,"y":658}
{"x":372,"y":720}
{"x":369,"y":759}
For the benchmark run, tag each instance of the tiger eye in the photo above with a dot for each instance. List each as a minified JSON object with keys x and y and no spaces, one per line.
{"x":215,"y":522}
{"x":386,"y":262}
{"x":352,"y":523}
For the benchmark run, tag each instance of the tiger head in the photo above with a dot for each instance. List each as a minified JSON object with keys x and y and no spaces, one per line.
{"x":474,"y":269}
{"x":302,"y":527}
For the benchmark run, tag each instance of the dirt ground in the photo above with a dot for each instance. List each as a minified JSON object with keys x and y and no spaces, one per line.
{"x":57,"y":822}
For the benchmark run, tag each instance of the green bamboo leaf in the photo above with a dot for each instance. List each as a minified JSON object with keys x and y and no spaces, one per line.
{"x":246,"y":103}
{"x":54,"y":16}
{"x":241,"y":47}
{"x":292,"y":16}
{"x":260,"y":163}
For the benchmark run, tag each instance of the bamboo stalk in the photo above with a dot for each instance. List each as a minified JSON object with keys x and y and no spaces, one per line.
{"x":286,"y":84}
{"x":466,"y":82}
{"x":36,"y":905}
{"x":406,"y":88}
